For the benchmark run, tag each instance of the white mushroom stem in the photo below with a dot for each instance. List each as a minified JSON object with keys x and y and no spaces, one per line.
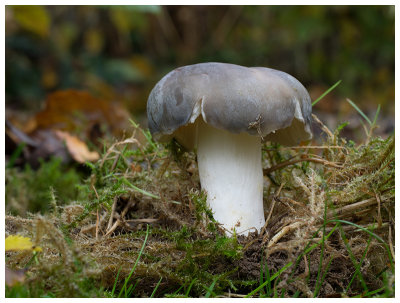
{"x":231,"y":174}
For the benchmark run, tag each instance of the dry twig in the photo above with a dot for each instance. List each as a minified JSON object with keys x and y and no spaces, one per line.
{"x":112,"y":213}
{"x":351,"y":208}
{"x":271,"y":209}
{"x":294,"y":161}
{"x":283,"y":232}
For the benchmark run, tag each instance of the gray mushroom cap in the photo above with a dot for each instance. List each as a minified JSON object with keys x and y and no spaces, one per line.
{"x":257,"y":100}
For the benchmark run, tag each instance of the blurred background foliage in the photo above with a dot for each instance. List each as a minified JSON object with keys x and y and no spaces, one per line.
{"x":118,"y":53}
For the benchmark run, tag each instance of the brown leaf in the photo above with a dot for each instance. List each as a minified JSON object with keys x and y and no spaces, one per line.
{"x":136,"y":168}
{"x":73,"y":111}
{"x":77,"y":148}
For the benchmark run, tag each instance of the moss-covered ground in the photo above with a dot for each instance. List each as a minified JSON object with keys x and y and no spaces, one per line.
{"x":136,"y":224}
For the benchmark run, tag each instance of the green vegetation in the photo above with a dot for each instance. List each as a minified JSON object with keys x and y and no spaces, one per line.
{"x":136,"y":223}
{"x":29,"y":190}
{"x":119,"y":52}
{"x":142,"y":226}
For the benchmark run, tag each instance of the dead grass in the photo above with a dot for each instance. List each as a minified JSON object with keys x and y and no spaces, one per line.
{"x":330,"y":212}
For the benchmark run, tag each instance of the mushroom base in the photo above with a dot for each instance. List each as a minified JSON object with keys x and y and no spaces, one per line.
{"x":231,"y":174}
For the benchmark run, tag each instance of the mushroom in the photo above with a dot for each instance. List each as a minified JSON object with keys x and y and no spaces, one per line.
{"x":225,"y":111}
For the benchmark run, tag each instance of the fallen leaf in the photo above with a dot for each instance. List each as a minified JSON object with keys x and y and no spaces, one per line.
{"x":72,"y":112}
{"x":49,"y":145}
{"x":78,"y":111}
{"x":13,"y":277}
{"x":77,"y":148}
{"x":16,"y":242}
{"x":136,"y":168}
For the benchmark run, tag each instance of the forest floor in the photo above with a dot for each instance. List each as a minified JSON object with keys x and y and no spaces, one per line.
{"x":138,"y":224}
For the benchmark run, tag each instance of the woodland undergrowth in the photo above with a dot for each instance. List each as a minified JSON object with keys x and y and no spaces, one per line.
{"x":141,"y":226}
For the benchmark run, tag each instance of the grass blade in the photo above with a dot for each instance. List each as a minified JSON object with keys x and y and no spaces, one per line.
{"x":273,"y":277}
{"x":210,"y":289}
{"x":376,"y":114}
{"x":130,"y":290}
{"x":115,"y":283}
{"x":353,"y":259}
{"x":155,"y":289}
{"x":310,"y":248}
{"x":261,"y":272}
{"x":189,"y":288}
{"x":359,"y":111}
{"x":326,"y":92}
{"x":146,"y":193}
{"x":268,"y":278}
{"x":369,"y":294}
{"x":370,"y":233}
{"x":146,"y":134}
{"x":264,"y":271}
{"x":134,"y":266}
{"x":177,"y":291}
{"x":317,"y":289}
{"x":318,"y":283}
{"x":142,"y":191}
{"x":359,"y":265}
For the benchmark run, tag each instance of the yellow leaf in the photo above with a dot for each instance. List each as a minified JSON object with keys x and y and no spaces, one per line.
{"x":20,"y":243}
{"x":33,"y":18}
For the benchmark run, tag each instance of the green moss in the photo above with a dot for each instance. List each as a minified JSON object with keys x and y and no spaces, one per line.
{"x":32,"y":191}
{"x":186,"y":249}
